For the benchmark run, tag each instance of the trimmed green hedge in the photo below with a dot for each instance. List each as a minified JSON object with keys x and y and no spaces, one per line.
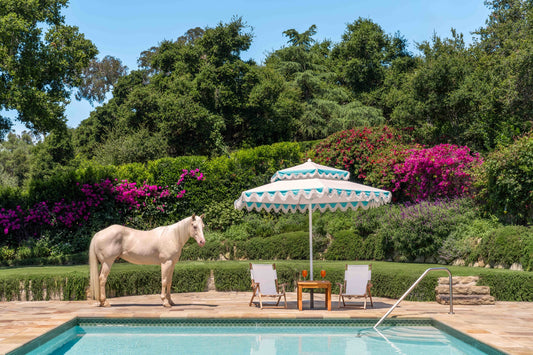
{"x":346,"y":245}
{"x":517,"y":286}
{"x":389,"y":279}
{"x":292,"y":245}
{"x":124,"y":280}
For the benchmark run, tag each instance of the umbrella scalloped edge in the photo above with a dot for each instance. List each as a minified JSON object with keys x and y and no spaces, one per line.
{"x":287,"y":202}
{"x":322,"y":207}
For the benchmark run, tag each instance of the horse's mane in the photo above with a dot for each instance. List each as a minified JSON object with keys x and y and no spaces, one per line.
{"x":180,"y":229}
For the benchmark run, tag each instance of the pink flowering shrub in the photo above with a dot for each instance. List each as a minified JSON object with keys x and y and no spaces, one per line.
{"x":443,"y":171}
{"x":118,"y":202}
{"x":382,"y":158}
{"x":147,"y":206}
{"x":382,"y":174}
{"x":356,"y":150}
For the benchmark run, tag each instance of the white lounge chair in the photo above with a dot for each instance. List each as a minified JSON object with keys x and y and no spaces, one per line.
{"x":356,"y":284}
{"x":265,"y":283}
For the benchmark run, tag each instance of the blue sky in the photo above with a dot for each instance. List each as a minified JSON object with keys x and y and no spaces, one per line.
{"x":124,"y":29}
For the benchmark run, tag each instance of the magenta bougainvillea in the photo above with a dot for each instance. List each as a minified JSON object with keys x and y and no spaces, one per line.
{"x":442,"y":171}
{"x":383,"y":158}
{"x":129,"y":197}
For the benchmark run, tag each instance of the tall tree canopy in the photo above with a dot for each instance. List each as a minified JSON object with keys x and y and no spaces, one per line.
{"x":479,"y":95}
{"x":197,"y":96}
{"x":41,"y":60}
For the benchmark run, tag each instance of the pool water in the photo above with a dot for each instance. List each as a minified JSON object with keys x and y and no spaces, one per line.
{"x":255,"y":337}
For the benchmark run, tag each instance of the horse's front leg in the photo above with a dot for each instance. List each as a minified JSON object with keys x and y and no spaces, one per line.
{"x":167,"y":270}
{"x":169,"y":284}
{"x":104,"y":273}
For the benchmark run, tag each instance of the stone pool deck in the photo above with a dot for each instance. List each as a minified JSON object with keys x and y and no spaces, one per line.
{"x":507,"y":326}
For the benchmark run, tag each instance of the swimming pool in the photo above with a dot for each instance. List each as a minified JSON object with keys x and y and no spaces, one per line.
{"x":253,"y":336}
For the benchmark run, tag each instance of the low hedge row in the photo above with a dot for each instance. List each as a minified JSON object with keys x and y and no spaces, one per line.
{"x":124,"y":280}
{"x":389,"y":279}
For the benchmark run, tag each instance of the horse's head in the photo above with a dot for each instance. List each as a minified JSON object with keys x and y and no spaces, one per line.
{"x":196,"y":229}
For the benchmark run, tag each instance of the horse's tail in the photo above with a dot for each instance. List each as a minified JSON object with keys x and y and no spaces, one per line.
{"x":93,"y":267}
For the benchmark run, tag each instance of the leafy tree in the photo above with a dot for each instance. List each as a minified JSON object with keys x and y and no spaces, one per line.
{"x":505,"y":182}
{"x":192,"y":92}
{"x":364,"y":53}
{"x":301,"y":39}
{"x":503,"y":78}
{"x":53,"y":154}
{"x":479,"y":95}
{"x":137,"y":146}
{"x":99,"y":78}
{"x":41,"y":60}
{"x":435,"y":98}
{"x":326,"y":107}
{"x":15,"y":155}
{"x":94,"y":130}
{"x":224,"y":43}
{"x":272,"y":109}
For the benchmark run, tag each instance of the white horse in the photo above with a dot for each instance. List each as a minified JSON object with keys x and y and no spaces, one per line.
{"x":161,"y":245}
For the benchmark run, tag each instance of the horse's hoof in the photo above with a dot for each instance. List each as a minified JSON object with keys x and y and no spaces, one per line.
{"x":167,"y":305}
{"x":105,"y":304}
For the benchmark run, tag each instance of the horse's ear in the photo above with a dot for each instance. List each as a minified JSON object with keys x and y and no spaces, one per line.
{"x":202,"y":216}
{"x":194,"y":216}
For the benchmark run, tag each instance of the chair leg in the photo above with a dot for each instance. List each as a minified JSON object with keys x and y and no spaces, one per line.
{"x":260,"y":302}
{"x":252,"y":300}
{"x":285,"y":300}
{"x":279,"y":299}
{"x":364,"y":304}
{"x":370,"y":296}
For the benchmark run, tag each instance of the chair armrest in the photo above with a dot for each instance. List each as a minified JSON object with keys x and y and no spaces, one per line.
{"x":282,"y":286}
{"x":341,"y":286}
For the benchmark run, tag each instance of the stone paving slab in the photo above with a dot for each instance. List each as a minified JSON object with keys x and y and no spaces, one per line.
{"x":507,"y":326}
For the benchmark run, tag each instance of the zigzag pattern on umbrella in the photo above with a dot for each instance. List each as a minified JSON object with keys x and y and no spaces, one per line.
{"x":342,"y":206}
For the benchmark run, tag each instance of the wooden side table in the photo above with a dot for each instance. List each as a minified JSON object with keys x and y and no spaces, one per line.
{"x":314,"y":284}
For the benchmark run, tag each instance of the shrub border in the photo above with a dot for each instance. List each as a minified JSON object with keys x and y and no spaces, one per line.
{"x":235,"y":276}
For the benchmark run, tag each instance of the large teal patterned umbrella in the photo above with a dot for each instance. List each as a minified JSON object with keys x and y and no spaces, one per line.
{"x":311,"y":187}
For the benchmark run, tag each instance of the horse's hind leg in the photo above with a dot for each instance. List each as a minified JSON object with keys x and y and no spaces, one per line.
{"x":167,"y":270}
{"x":104,"y":273}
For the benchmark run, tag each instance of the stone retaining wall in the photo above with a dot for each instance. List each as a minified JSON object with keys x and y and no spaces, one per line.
{"x":465,"y":291}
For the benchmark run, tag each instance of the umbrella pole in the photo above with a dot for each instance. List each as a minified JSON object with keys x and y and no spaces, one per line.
{"x":311,"y":252}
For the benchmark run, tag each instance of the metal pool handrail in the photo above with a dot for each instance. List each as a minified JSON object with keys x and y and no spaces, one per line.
{"x":413,"y":286}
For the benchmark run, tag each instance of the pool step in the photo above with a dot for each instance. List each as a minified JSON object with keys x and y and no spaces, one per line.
{"x":465,"y":291}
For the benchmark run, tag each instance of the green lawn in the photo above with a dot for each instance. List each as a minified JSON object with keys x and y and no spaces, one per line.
{"x":377,"y":266}
{"x":404,"y":268}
